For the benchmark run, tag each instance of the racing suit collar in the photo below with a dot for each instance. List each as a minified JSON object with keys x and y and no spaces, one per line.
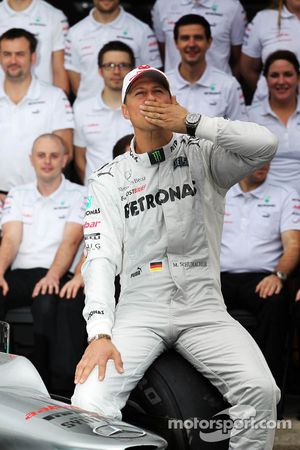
{"x":156,"y":156}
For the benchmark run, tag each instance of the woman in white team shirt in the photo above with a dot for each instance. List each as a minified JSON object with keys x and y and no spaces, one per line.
{"x":280,"y":112}
{"x":276,"y":28}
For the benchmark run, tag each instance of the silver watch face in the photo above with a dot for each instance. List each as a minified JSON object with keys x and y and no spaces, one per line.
{"x":192,"y":118}
{"x":281,"y":275}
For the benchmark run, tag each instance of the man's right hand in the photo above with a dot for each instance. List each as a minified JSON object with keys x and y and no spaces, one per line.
{"x":3,"y":285}
{"x":170,"y":116}
{"x":97,"y":354}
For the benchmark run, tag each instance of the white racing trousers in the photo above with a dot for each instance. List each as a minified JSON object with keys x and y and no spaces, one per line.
{"x":201,"y":330}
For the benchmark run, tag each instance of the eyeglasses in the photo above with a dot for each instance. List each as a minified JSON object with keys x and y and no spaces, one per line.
{"x":112,"y":66}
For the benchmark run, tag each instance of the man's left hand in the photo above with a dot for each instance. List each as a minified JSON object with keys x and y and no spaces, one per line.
{"x":169,"y":116}
{"x":47,"y":285}
{"x":268,"y":286}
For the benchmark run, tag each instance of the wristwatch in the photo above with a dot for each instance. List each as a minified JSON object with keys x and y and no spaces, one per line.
{"x":99,"y":336}
{"x":281,"y":275}
{"x":191,"y":123}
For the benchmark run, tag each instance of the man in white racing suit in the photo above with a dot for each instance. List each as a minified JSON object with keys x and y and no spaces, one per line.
{"x":155,"y":216}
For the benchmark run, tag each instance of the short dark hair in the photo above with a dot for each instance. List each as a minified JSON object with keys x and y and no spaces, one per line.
{"x":116,"y":46}
{"x":287,"y":55}
{"x":121,"y":144}
{"x":192,"y":19}
{"x":16,"y":33}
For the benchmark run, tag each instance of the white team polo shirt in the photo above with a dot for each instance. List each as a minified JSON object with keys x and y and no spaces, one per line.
{"x":88,"y":36}
{"x":253,"y":223}
{"x":43,"y":220}
{"x":48,"y":24}
{"x":215,"y":94}
{"x":263,"y":37}
{"x":98,"y":128}
{"x":285,"y":166}
{"x":226,"y":18}
{"x":44,"y":109}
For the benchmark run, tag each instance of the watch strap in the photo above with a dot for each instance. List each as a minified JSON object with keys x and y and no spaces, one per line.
{"x":192,"y":125}
{"x":99,"y":336}
{"x":191,"y":129}
{"x":281,"y":275}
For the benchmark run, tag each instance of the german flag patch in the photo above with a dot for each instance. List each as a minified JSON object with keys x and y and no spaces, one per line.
{"x":155,"y":266}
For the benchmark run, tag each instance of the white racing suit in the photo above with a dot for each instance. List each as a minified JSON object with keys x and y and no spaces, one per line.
{"x":156,"y":218}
